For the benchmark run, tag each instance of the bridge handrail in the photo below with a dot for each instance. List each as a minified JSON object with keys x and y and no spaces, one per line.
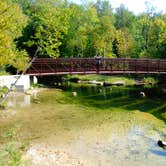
{"x":93,"y":65}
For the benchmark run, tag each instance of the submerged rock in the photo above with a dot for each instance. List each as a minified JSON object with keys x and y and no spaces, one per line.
{"x":74,"y":94}
{"x":95,"y":82}
{"x":143,"y":95}
{"x":119,"y":83}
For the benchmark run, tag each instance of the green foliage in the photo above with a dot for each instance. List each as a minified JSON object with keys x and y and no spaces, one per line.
{"x":65,"y":29}
{"x":3,"y":71}
{"x":157,"y":40}
{"x":124,"y":18}
{"x":105,"y":32}
{"x":11,"y":133}
{"x":150,"y":80}
{"x":3,"y":90}
{"x":12,"y":21}
{"x":151,"y":38}
{"x":79,"y":40}
{"x":10,"y":154}
{"x":90,"y":32}
{"x":14,"y":155}
{"x":47,"y":25}
{"x":124,"y":44}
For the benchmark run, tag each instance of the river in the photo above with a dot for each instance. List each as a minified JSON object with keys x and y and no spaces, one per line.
{"x":99,"y":126}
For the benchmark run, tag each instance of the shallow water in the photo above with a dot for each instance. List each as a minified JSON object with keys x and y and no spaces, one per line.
{"x":98,"y":127}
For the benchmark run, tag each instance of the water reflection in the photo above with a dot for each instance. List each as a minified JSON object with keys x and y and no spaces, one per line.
{"x":100,"y":92}
{"x":126,"y":97}
{"x":21,"y":99}
{"x":107,"y":92}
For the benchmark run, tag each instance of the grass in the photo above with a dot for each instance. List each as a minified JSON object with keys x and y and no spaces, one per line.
{"x":2,"y":73}
{"x":10,"y":153}
{"x":3,"y":90}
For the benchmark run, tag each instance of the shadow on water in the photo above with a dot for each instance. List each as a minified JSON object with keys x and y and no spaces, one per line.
{"x":128,"y":98}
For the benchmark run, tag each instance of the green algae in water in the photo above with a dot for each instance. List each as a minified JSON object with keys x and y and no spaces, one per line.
{"x":104,"y":127}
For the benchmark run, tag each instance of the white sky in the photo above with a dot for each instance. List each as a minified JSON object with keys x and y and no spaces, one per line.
{"x":137,"y":6}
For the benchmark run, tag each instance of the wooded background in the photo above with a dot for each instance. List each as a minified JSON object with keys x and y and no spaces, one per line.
{"x":59,"y":28}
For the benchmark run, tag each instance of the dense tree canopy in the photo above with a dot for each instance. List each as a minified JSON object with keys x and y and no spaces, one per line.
{"x":12,"y":21}
{"x":61,"y":28}
{"x":47,"y":25}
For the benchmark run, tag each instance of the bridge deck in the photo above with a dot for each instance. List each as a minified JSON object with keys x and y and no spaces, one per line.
{"x":49,"y":66}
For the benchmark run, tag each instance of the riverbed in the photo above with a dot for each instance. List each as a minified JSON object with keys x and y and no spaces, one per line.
{"x":97,"y":127}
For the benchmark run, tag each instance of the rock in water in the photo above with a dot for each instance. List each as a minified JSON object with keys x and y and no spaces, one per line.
{"x":161,"y":144}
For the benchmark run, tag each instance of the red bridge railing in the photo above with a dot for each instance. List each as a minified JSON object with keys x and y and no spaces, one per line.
{"x":49,"y":66}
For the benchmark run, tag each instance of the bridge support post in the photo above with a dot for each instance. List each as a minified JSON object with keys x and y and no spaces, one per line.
{"x":34,"y":80}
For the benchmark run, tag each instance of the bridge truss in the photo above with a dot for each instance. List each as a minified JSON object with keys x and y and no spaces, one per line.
{"x":60,"y":66}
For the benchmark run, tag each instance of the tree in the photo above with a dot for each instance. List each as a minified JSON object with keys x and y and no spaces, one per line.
{"x":79,"y":40}
{"x":124,"y":19}
{"x":61,"y":28}
{"x":146,"y":21}
{"x":157,"y":39}
{"x":105,"y":31}
{"x":47,"y":26}
{"x":12,"y":21}
{"x":153,"y":29}
{"x":161,"y":42}
{"x":124,"y":44}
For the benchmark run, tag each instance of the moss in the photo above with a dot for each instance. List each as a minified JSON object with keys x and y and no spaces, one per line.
{"x":126,"y":98}
{"x":150,"y":81}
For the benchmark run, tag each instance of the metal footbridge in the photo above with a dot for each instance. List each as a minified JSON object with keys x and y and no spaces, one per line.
{"x":61,"y":66}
